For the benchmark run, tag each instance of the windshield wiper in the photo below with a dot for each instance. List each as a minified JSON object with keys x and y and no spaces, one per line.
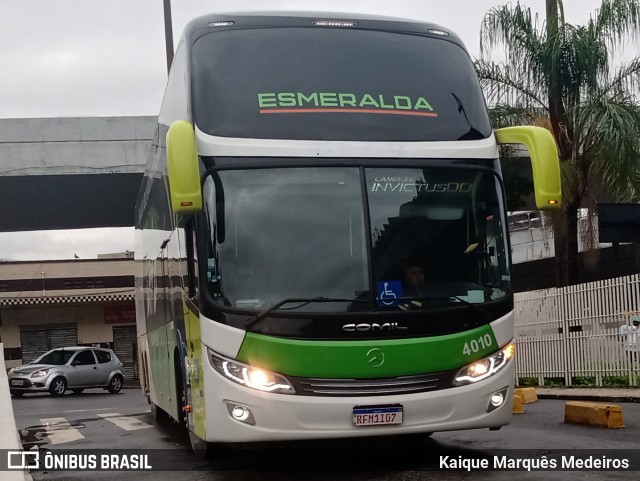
{"x":302,"y":301}
{"x":416,"y":302}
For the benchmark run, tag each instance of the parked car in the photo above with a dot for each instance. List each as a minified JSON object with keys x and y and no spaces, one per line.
{"x":75,"y":368}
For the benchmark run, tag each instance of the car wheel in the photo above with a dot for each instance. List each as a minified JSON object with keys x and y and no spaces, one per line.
{"x":58,"y":386}
{"x":17,"y":393}
{"x":77,"y":391}
{"x":115,"y":386}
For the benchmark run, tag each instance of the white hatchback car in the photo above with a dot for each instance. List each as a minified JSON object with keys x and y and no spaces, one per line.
{"x":75,"y":368}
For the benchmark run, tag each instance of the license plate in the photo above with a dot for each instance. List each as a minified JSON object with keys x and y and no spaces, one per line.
{"x":17,"y":382}
{"x":377,"y":415}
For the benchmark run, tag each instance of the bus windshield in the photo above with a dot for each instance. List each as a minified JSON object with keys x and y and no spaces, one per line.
{"x":315,"y":232}
{"x":335,"y":84}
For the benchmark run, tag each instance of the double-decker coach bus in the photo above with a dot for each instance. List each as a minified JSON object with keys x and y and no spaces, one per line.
{"x":321,"y":233}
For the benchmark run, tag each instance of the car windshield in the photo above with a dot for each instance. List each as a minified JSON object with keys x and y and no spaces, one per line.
{"x":55,"y":358}
{"x":302,"y":233}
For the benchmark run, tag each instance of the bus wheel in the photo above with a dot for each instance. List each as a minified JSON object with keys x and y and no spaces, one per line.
{"x":159,"y":414}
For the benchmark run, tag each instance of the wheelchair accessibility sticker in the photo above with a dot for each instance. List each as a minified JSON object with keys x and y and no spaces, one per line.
{"x":388,"y":293}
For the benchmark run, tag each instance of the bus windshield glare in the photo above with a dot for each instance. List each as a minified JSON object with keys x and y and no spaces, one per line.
{"x":436,"y":234}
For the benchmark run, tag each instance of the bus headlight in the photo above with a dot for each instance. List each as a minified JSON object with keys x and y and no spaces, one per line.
{"x":250,"y":376}
{"x":485,"y":367}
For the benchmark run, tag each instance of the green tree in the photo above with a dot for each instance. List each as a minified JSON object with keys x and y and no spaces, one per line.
{"x":561,"y":75}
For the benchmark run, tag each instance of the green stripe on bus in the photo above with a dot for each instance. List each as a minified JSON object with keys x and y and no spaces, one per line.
{"x":367,"y":358}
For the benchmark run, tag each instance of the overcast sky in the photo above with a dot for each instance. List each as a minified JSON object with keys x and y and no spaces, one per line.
{"x":68,"y":58}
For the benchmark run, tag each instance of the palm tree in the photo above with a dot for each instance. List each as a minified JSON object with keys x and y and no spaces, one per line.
{"x":560,"y":75}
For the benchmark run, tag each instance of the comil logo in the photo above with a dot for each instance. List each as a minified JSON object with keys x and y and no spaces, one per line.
{"x":366,"y":327}
{"x":21,"y":460}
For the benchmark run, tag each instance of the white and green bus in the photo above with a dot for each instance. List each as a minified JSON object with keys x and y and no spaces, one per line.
{"x":301,"y":164}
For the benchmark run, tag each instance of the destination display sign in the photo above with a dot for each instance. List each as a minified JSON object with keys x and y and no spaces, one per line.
{"x":330,"y":84}
{"x":336,"y":102}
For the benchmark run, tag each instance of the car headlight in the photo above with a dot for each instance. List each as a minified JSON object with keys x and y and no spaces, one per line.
{"x":11,"y":371}
{"x":40,"y":373}
{"x":250,"y":376}
{"x":485,"y":367}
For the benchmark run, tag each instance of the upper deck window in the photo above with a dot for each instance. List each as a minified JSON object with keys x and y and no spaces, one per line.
{"x":335,"y":84}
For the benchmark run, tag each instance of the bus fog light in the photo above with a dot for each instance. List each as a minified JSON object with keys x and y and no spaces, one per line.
{"x":241,"y":413}
{"x":497,"y":399}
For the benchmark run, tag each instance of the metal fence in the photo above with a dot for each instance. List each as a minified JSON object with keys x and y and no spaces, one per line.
{"x":572,"y":335}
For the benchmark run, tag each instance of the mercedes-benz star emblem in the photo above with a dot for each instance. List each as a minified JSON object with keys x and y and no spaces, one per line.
{"x":375,"y":357}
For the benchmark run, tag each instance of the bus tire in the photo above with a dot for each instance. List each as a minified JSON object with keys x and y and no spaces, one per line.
{"x":159,"y":415}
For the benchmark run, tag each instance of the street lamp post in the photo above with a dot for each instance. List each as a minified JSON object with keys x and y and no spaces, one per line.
{"x":168,"y":33}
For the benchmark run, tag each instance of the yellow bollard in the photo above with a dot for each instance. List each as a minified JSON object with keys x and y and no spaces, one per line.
{"x":528,"y":394}
{"x":518,"y":404}
{"x":593,"y":414}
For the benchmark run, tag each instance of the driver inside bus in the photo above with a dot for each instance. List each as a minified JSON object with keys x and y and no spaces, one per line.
{"x":413,"y":282}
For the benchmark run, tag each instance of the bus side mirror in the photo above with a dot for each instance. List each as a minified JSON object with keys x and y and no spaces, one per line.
{"x":544,"y":162}
{"x":183,"y":169}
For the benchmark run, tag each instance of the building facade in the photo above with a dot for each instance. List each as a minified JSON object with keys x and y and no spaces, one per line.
{"x":49,"y":304}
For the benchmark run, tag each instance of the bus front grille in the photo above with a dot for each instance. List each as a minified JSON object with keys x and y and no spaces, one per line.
{"x":373,"y":387}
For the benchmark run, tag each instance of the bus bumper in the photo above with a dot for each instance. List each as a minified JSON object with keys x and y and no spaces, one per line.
{"x":280,"y":417}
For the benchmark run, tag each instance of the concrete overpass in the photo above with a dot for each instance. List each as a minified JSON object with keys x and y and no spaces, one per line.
{"x":71,"y":173}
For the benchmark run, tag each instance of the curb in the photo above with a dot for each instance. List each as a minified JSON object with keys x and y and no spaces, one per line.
{"x":587,"y":397}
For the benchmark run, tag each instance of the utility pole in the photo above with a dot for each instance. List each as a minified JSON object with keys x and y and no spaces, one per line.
{"x":168,"y":33}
